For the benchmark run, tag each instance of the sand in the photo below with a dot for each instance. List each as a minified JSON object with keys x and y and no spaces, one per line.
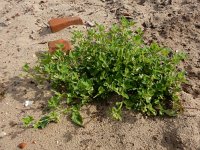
{"x":24,"y":33}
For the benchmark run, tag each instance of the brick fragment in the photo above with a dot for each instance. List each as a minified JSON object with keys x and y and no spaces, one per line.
{"x":53,"y":46}
{"x":57,"y":24}
{"x":22,"y":145}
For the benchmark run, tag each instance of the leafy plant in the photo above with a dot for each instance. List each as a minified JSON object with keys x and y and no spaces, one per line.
{"x":116,"y":61}
{"x":51,"y":117}
{"x":43,"y":122}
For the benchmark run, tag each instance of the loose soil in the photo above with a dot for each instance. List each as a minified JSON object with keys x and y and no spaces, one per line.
{"x":24,"y":33}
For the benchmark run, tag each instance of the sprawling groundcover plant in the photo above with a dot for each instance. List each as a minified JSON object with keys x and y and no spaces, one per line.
{"x":107,"y":62}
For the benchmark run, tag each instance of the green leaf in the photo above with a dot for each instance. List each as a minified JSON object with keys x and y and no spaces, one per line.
{"x":117,"y":111}
{"x":60,"y":46}
{"x":27,"y":120}
{"x":171,"y":113}
{"x":151,"y":109}
{"x":42,"y":123}
{"x":76,"y":117}
{"x":26,"y":67}
{"x":53,"y":103}
{"x":101,"y":90}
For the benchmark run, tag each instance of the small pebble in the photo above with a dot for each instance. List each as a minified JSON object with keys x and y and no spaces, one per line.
{"x":22,"y":145}
{"x":34,"y":56}
{"x":91,"y":24}
{"x":2,"y":134}
{"x":28,"y":103}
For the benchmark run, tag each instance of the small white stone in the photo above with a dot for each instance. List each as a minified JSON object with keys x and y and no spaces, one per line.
{"x":2,"y":134}
{"x":28,"y":103}
{"x":91,"y":24}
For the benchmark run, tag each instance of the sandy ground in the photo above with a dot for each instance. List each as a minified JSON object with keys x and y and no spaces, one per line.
{"x":24,"y":33}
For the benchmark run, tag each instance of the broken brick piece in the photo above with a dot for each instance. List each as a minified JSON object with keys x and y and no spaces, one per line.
{"x":53,"y":46}
{"x":22,"y":145}
{"x":57,"y":24}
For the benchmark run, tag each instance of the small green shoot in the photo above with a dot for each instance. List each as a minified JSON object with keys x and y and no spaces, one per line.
{"x":117,"y":111}
{"x":26,"y":67}
{"x":27,"y":120}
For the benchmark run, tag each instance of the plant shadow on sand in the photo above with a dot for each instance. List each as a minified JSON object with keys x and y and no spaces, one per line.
{"x":21,"y":90}
{"x":24,"y":89}
{"x":170,"y":137}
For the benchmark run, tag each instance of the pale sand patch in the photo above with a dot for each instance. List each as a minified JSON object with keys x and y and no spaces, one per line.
{"x":175,"y":24}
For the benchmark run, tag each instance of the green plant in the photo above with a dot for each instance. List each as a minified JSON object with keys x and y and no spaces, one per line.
{"x":114,"y":61}
{"x":27,"y":121}
{"x":51,"y":117}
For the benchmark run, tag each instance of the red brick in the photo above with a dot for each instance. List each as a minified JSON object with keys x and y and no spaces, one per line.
{"x":53,"y":45}
{"x":22,"y":145}
{"x":57,"y":24}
